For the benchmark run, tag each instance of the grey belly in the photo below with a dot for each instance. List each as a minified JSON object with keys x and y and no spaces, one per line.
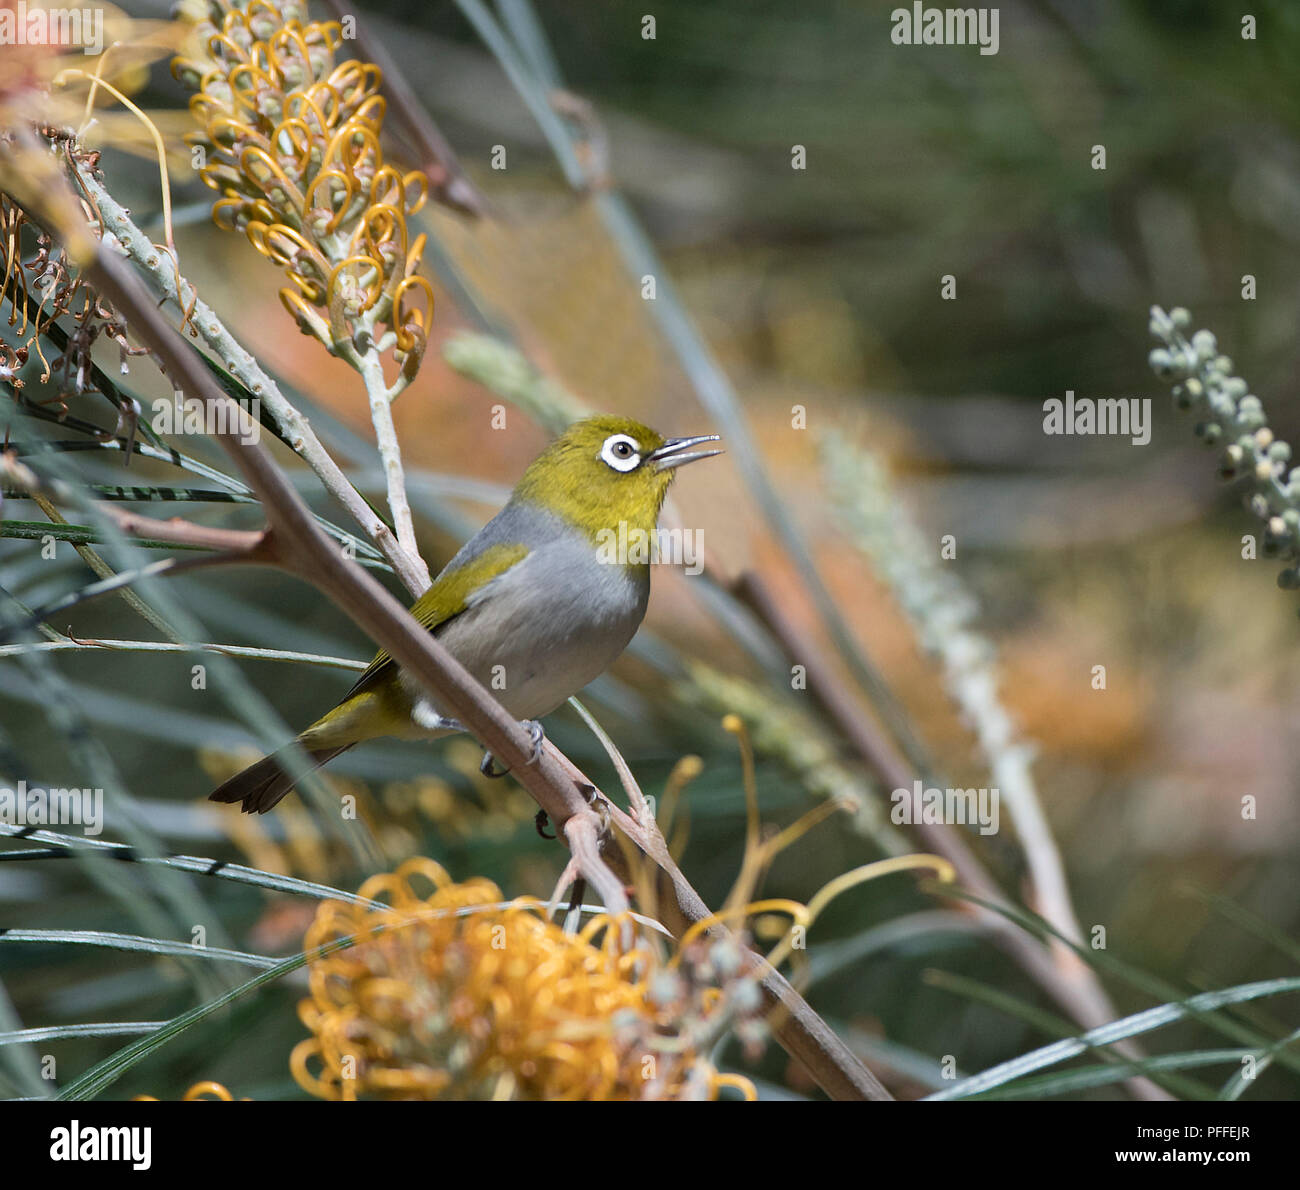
{"x":546,"y":628}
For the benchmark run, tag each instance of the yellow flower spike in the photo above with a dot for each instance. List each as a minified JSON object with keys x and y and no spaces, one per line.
{"x":293,"y":142}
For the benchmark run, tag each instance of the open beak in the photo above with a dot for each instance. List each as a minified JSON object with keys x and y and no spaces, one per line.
{"x":673,"y":453}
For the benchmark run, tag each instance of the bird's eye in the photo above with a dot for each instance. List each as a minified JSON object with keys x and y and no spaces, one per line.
{"x":621,"y":452}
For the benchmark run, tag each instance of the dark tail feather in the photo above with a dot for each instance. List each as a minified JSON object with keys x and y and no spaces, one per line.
{"x":260,"y":786}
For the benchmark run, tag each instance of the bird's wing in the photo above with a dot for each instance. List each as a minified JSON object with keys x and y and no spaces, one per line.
{"x":451,"y":593}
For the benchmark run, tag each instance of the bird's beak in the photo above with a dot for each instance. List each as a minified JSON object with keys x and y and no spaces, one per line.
{"x":671,"y":453}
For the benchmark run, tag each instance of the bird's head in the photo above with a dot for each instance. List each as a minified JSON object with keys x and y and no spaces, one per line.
{"x":608,"y":469}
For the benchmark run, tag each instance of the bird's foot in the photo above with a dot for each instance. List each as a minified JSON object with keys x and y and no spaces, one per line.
{"x":535,"y":733}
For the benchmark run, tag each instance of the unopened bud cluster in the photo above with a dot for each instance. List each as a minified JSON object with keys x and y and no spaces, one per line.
{"x":290,"y":139}
{"x":1231,"y":418}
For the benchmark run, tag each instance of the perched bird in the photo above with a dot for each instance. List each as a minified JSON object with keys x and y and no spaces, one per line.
{"x":538,"y":603}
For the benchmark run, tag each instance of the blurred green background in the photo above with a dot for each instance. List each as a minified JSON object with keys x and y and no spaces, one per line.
{"x":817,"y":287}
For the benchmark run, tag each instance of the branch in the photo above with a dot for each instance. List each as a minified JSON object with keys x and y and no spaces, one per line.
{"x":381,"y":397}
{"x":801,"y":1032}
{"x":303,"y":548}
{"x":166,"y":277}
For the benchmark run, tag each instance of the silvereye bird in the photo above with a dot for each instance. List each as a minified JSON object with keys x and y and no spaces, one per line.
{"x":532,"y":605}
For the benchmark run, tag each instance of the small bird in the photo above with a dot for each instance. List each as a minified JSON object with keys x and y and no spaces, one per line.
{"x":535,"y":605}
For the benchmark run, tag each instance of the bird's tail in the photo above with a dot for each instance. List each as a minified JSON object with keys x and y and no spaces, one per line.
{"x":260,"y":786}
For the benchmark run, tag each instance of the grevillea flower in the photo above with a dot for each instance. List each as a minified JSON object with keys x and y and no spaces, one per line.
{"x":290,"y":139}
{"x":456,"y":995}
{"x":204,"y":1090}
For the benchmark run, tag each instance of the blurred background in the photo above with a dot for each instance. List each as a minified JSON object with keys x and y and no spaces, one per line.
{"x":817,"y":288}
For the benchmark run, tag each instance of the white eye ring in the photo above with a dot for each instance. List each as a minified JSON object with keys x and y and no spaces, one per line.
{"x":621,"y":452}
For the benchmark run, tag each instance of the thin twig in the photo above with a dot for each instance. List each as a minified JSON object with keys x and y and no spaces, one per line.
{"x":84,"y":644}
{"x":390,"y":452}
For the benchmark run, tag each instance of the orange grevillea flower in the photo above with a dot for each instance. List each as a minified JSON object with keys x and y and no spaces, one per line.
{"x":204,"y":1090}
{"x":290,"y":139}
{"x":454,"y":994}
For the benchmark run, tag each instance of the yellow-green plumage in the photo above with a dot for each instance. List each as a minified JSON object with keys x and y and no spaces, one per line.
{"x":530,"y":596}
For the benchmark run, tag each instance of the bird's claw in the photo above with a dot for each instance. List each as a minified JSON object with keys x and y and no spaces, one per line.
{"x":535,"y":733}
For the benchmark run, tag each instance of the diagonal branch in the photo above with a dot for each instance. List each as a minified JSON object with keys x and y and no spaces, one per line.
{"x":304,"y":549}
